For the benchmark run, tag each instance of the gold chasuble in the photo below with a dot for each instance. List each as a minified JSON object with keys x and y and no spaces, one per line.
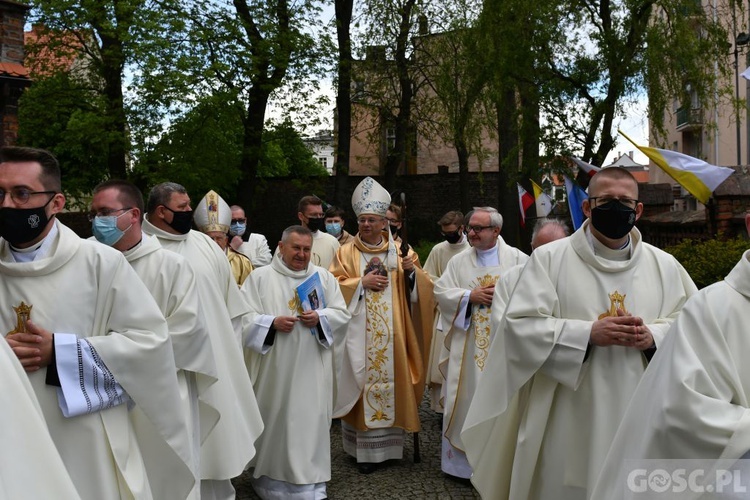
{"x":382,"y":365}
{"x":240,"y":264}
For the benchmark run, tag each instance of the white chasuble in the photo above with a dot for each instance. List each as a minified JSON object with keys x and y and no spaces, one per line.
{"x":293,"y":376}
{"x":171,"y":281}
{"x":435,"y":266}
{"x":30,"y":466}
{"x":468,"y":339}
{"x":230,"y":446}
{"x":553,"y":444}
{"x":693,"y":402}
{"x":89,"y":290}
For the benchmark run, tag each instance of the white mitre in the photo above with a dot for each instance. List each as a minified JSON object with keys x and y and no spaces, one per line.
{"x":213,"y":214}
{"x":369,"y":197}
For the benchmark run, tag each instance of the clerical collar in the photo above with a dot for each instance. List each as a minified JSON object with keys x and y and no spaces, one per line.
{"x":623,"y":253}
{"x":36,"y":252}
{"x":376,"y":245}
{"x":133,"y":248}
{"x":487,"y":258}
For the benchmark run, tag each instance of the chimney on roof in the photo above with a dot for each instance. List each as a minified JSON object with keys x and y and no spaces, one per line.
{"x":630,"y":154}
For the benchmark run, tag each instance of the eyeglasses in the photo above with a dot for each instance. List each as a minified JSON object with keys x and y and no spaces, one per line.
{"x":477,"y":229}
{"x":106,"y":212}
{"x":369,"y":221}
{"x":21,"y":195}
{"x":240,"y":221}
{"x":392,"y":221}
{"x":603,"y":200}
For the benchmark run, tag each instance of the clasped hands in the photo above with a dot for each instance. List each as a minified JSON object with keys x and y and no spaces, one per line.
{"x":285,"y":324}
{"x":482,"y":295}
{"x":624,"y":330}
{"x":33,"y":348}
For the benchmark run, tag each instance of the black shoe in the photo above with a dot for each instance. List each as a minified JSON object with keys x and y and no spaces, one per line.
{"x":367,"y":467}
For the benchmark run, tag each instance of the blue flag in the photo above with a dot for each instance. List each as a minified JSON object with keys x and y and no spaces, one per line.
{"x":576,"y":195}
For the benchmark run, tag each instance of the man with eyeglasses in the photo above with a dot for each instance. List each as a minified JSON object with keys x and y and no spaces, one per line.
{"x":379,"y":363}
{"x":694,"y":400}
{"x":454,"y":241}
{"x":254,"y":246}
{"x":579,"y":329}
{"x":116,"y":218}
{"x":230,"y":445}
{"x":464,"y":295}
{"x":92,"y":340}
{"x":212,"y":218}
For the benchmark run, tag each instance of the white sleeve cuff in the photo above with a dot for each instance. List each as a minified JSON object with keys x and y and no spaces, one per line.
{"x":87,"y":385}
{"x":461,"y":321}
{"x":256,"y":334}
{"x":325,"y":327}
{"x":566,"y":359}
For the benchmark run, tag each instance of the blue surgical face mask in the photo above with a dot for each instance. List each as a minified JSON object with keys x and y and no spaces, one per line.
{"x":333,"y":228}
{"x":237,"y":228}
{"x":105,"y":229}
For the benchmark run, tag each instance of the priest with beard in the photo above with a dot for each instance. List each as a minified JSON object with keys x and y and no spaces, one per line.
{"x":380,"y":371}
{"x":231,"y":444}
{"x":94,"y":343}
{"x":290,"y":354}
{"x":587,"y":315}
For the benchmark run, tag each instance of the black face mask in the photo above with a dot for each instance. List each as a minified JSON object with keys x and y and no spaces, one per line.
{"x":453,"y":237}
{"x":181,"y":221}
{"x":22,"y":225}
{"x":614,"y":220}
{"x":394,"y":229}
{"x":316,"y":223}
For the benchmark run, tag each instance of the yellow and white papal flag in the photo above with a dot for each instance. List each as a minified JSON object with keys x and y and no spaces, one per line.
{"x":698,"y":177}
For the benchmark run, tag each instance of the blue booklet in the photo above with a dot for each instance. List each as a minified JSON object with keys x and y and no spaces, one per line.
{"x":311,"y":296}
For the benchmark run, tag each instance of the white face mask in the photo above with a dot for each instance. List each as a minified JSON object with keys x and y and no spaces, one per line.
{"x":333,"y":228}
{"x":237,"y":228}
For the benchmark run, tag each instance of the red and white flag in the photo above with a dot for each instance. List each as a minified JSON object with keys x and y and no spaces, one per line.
{"x":525,"y":200}
{"x":586,"y":167}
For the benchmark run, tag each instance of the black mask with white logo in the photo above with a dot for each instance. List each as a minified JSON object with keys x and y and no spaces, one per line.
{"x":613,"y":219}
{"x":22,"y":225}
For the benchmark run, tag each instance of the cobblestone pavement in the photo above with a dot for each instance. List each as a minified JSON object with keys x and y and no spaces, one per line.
{"x":401,"y":479}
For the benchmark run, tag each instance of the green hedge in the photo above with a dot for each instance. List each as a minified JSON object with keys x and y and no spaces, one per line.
{"x":709,"y":261}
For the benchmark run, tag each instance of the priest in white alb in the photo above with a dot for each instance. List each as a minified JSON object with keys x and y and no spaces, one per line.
{"x":483,"y":416}
{"x":297,"y":311}
{"x":27,"y":446}
{"x":694,"y":400}
{"x":380,"y":373}
{"x":579,"y":330}
{"x":454,"y":241}
{"x":464,"y":296}
{"x":117,"y":215}
{"x":230,"y":446}
{"x":92,"y":340}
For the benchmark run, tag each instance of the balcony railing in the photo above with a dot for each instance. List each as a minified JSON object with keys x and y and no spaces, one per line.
{"x":689,"y":118}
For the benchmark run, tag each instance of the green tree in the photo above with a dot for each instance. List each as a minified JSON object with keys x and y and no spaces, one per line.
{"x":56,"y":113}
{"x":245,"y":51}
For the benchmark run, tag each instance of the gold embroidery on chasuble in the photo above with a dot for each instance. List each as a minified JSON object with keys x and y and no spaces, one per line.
{"x":295,"y":304}
{"x":23,"y":314}
{"x":480,"y":320}
{"x":616,"y":301}
{"x":379,"y":392}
